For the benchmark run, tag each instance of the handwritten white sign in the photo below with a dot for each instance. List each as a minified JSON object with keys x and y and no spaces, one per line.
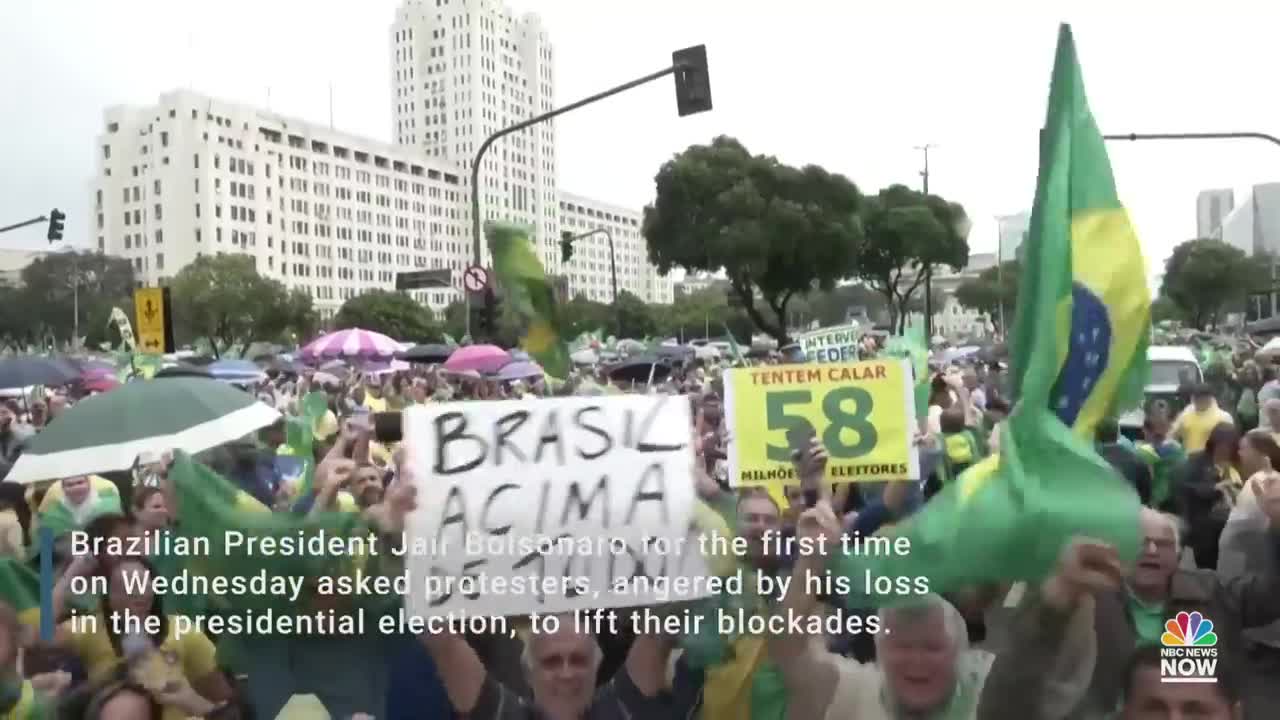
{"x":552,"y":506}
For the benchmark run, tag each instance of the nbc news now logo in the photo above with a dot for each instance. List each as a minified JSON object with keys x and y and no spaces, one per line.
{"x":1189,"y":653}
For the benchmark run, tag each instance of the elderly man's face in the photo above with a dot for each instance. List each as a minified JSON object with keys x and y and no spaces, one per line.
{"x":563,"y":670}
{"x":919,"y":659}
{"x":1159,"y":556}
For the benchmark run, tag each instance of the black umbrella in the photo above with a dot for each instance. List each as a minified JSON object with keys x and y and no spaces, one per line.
{"x":639,"y":369}
{"x":430,"y":353}
{"x":26,"y":370}
{"x":182,"y":370}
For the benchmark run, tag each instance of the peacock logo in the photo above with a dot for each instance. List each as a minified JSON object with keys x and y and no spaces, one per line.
{"x":1189,"y":630}
{"x":1189,"y":653}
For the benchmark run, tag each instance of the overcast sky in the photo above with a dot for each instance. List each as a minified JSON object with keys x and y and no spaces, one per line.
{"x":841,"y":83}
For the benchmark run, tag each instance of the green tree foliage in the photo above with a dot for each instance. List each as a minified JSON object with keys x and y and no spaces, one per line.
{"x":703,"y":314}
{"x":222,"y":297}
{"x":1206,"y":278}
{"x":634,"y":317}
{"x":391,"y":313}
{"x":581,"y":315}
{"x":777,"y":231}
{"x":1163,"y":309}
{"x":839,"y":305}
{"x":42,"y":309}
{"x":909,"y":233}
{"x":992,"y":288}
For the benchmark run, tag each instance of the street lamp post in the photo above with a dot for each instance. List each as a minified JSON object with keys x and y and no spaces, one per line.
{"x":613,"y":261}
{"x":569,"y":240}
{"x":928,"y":270}
{"x":693,"y":95}
{"x":1205,"y":136}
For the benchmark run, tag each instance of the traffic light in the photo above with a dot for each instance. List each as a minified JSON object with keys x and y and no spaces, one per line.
{"x":566,"y":246}
{"x":693,"y":84}
{"x":56,"y":217}
{"x":490,"y":317}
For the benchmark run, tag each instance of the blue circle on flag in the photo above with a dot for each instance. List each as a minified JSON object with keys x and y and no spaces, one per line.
{"x":1088,"y":349}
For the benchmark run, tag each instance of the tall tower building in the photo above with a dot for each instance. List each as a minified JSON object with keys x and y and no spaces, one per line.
{"x":1212,"y":209}
{"x":462,"y":70}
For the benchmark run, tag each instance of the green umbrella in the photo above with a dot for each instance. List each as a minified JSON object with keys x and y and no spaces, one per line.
{"x":108,"y":432}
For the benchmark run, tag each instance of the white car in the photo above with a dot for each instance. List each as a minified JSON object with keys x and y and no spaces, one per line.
{"x":1172,"y":368}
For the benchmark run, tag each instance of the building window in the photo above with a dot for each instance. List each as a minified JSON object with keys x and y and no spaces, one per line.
{"x":217,"y":234}
{"x":217,"y":162}
{"x":195,"y":160}
{"x":197,"y":234}
{"x":102,"y":244}
{"x":197,"y":209}
{"x":100,"y":221}
{"x":127,"y":243}
{"x":164,"y":139}
{"x":106,"y":152}
{"x":157,"y":191}
{"x":158,"y":211}
{"x":159,"y":237}
{"x":159,"y":261}
{"x":126,"y":194}
{"x":127,"y":214}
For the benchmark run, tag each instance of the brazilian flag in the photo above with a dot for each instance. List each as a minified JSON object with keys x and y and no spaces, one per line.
{"x":1079,"y":353}
{"x":531,"y":295}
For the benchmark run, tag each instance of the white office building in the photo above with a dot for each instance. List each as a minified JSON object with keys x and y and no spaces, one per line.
{"x":1254,"y":225}
{"x":1212,"y":209}
{"x":318,"y":209}
{"x":1013,"y":230}
{"x":461,"y":71}
{"x":589,"y":270}
{"x":464,"y":69}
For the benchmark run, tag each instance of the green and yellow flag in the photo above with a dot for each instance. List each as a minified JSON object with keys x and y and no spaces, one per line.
{"x":1079,"y":353}
{"x":531,"y":295}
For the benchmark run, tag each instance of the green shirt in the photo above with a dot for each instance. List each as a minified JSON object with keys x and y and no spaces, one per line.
{"x":1148,"y":620}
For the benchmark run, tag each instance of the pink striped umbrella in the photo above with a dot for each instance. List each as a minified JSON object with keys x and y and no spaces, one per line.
{"x":351,"y":343}
{"x":481,"y":358}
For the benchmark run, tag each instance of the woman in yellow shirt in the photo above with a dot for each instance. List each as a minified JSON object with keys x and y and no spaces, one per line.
{"x":175,"y":661}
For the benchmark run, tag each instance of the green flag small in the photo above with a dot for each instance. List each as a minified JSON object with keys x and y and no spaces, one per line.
{"x":531,"y":295}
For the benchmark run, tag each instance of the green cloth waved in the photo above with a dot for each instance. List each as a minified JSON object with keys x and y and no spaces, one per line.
{"x":532,"y":296}
{"x":1079,"y":352}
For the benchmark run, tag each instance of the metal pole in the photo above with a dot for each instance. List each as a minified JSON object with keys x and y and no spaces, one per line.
{"x":1000,"y":275}
{"x":75,"y":300}
{"x":1195,"y":136}
{"x":484,"y":147}
{"x":928,"y":270}
{"x":613,"y":262}
{"x":25,"y":223}
{"x":1203,"y":136}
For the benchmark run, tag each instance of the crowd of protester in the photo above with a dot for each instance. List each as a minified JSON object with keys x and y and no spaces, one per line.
{"x":1083,"y":644}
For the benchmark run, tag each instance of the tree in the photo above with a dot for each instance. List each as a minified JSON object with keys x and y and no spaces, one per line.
{"x":777,"y":231}
{"x":906,"y":231}
{"x":223,"y":298}
{"x":633,"y":318}
{"x":1205,"y":277}
{"x":991,"y":289}
{"x":1162,"y":309}
{"x":705,"y":313}
{"x":54,"y":284}
{"x":391,"y":313}
{"x":581,"y":315}
{"x":838,"y":306}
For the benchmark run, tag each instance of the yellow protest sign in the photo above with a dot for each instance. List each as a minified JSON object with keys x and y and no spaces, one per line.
{"x":863,"y":413}
{"x":149,"y":306}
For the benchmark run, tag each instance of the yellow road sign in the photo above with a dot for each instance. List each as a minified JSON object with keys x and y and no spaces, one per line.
{"x":148,"y":304}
